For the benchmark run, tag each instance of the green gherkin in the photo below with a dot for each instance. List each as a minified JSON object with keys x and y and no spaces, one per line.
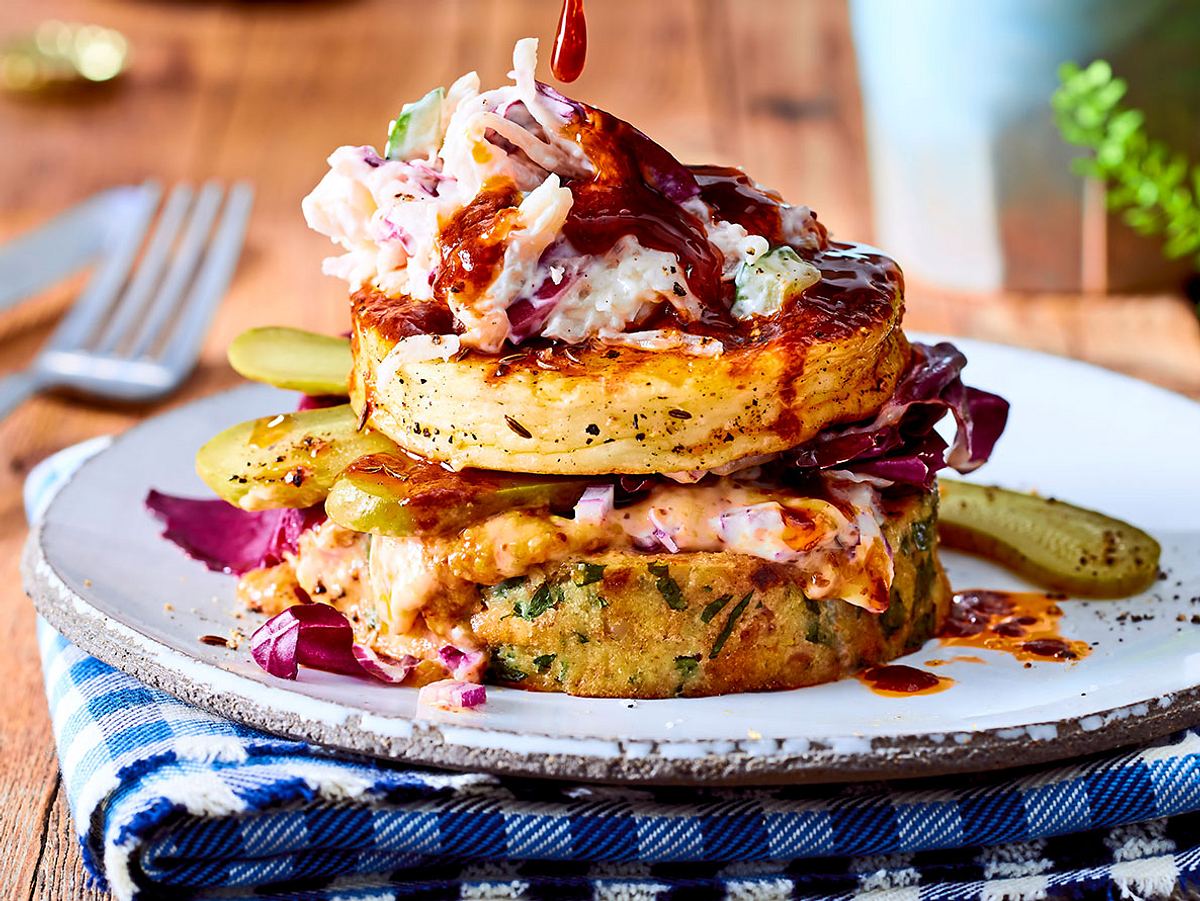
{"x":293,"y":359}
{"x":289,"y":460}
{"x":398,"y":496}
{"x":1055,"y":544}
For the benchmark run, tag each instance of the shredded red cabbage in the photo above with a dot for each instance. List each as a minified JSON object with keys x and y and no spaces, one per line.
{"x":528,"y":314}
{"x":319,"y":636}
{"x":228,"y":539}
{"x":319,"y":401}
{"x":899,"y":444}
{"x":570,"y":110}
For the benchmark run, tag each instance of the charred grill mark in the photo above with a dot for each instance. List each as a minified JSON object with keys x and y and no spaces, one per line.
{"x":765,"y":577}
{"x":615,"y":579}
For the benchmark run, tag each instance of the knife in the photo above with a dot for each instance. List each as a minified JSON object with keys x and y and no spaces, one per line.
{"x":70,"y":241}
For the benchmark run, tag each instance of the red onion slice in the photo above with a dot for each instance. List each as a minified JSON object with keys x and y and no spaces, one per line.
{"x":450,"y":694}
{"x":384,"y":668}
{"x":466,"y":666}
{"x":662,"y":534}
{"x":595,"y":504}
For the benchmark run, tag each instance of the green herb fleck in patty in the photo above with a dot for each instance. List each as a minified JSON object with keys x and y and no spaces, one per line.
{"x":587,"y":573}
{"x":715,"y":607}
{"x":667,"y":586}
{"x":727,"y":629}
{"x":538,"y":603}
{"x":504,"y":670}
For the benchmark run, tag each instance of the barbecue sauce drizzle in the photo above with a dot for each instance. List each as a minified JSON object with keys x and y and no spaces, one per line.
{"x":896,"y":680}
{"x":1021,"y":623}
{"x":570,"y":42}
{"x":627,"y":195}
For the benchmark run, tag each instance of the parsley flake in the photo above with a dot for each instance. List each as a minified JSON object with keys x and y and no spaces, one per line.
{"x":537,"y":603}
{"x":587,"y":573}
{"x":714,"y":607}
{"x":667,"y":586}
{"x":727,"y":629}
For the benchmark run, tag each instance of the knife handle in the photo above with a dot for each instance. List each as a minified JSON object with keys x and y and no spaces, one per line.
{"x":16,"y":388}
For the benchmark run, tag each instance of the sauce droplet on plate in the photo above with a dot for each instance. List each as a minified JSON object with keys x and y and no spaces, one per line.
{"x":897,"y":680}
{"x":570,"y":42}
{"x":1022,"y":623}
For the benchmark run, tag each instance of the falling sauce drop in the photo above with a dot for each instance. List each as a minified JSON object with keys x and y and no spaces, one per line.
{"x":570,"y":42}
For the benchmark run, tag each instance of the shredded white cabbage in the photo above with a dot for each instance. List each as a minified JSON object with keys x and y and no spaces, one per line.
{"x":604,"y":295}
{"x":540,"y":218}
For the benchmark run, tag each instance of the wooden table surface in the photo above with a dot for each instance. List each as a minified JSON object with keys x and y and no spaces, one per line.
{"x":265,"y":90}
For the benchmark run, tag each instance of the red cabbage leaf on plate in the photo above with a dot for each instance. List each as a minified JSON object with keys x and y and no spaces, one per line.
{"x":900,"y":443}
{"x":319,"y":636}
{"x":228,"y":539}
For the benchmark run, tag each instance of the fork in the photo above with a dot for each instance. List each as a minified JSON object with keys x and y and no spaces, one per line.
{"x":137,"y":337}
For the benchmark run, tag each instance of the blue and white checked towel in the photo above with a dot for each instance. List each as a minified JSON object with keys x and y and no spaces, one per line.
{"x":173,"y":802}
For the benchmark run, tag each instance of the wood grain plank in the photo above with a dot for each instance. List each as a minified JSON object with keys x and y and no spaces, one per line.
{"x":791,"y":112}
{"x":60,"y":874}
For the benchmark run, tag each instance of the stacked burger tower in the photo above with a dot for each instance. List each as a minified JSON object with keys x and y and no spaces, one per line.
{"x":606,"y":424}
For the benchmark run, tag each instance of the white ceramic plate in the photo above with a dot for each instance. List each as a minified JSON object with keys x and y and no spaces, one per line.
{"x":99,"y":571}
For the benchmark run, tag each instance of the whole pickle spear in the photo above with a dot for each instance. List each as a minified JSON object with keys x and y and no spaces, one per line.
{"x":396,"y":495}
{"x":289,"y":460}
{"x":1055,"y":544}
{"x":292,"y":358}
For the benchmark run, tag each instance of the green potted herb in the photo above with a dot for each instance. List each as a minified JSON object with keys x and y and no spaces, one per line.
{"x":1155,"y":189}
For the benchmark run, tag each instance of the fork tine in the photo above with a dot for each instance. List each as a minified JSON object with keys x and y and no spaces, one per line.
{"x":195,"y":236}
{"x":87,"y":312}
{"x":211,"y":281}
{"x":149,"y":271}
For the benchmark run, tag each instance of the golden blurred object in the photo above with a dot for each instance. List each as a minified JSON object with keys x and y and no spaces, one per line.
{"x":59,"y":54}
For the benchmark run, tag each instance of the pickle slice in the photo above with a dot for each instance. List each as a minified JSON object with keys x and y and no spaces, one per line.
{"x":289,"y":460}
{"x":396,"y":495}
{"x":1055,"y":544}
{"x":292,"y":358}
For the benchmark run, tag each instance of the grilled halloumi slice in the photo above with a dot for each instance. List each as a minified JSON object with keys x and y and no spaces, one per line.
{"x":771,"y":384}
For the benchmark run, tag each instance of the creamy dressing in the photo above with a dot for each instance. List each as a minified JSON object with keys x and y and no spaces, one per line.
{"x":329,"y":564}
{"x":414,"y":595}
{"x":833,"y":544}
